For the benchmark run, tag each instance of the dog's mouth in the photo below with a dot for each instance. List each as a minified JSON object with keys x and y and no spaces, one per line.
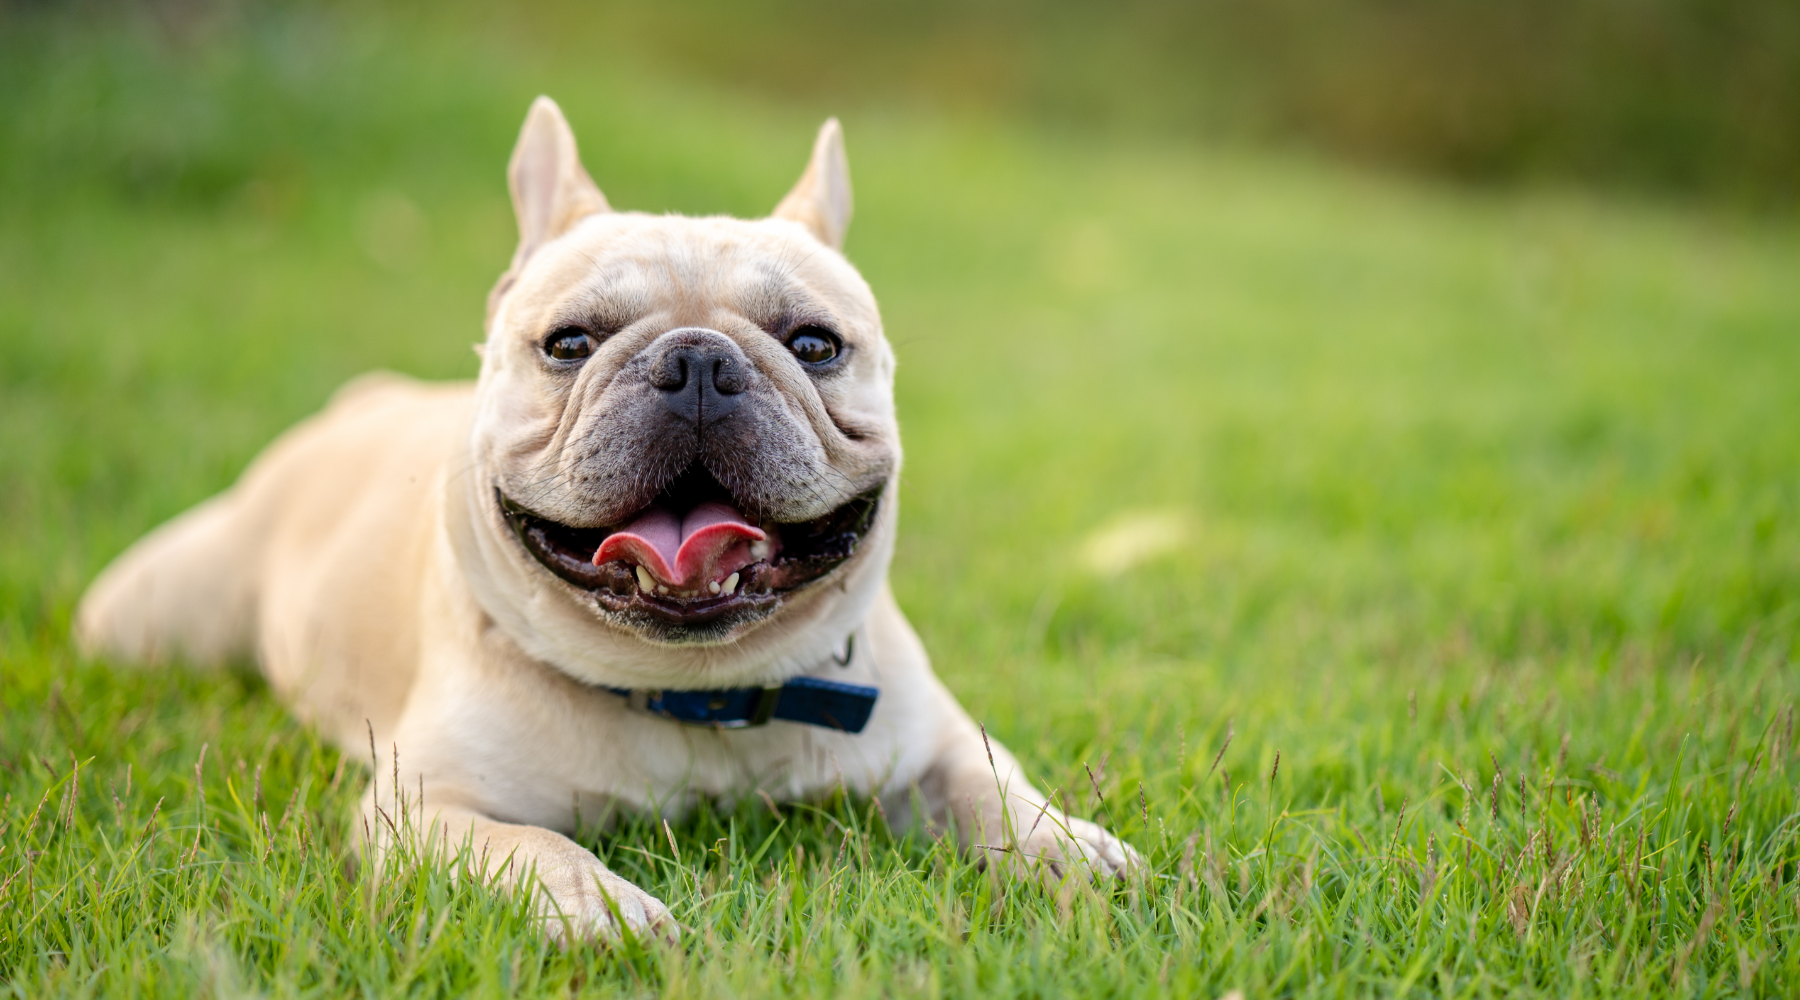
{"x":692,"y":558}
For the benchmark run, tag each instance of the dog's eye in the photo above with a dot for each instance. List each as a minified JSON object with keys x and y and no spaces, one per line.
{"x":813,"y":345}
{"x":571,"y":343}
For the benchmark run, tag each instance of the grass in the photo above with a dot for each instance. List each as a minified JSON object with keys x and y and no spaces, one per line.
{"x":1491,"y":539}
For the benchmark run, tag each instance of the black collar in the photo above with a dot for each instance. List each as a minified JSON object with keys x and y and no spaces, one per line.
{"x":806,"y":700}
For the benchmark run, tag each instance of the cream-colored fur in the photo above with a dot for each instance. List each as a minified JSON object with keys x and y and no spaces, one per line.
{"x":363,"y":561}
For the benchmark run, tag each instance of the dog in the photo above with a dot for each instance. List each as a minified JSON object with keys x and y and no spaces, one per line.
{"x":641,"y":560}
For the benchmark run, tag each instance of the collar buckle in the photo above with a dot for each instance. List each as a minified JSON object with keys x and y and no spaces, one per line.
{"x":765,"y":707}
{"x":652,"y":701}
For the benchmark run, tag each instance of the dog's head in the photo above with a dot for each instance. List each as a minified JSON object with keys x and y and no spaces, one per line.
{"x":684,"y":452}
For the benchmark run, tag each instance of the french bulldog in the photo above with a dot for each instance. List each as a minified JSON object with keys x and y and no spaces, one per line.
{"x":641,"y":560}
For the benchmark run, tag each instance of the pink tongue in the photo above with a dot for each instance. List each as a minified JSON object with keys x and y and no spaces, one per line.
{"x":684,"y":553}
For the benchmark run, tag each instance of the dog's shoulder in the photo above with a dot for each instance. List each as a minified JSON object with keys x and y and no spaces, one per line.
{"x":374,"y":422}
{"x":380,"y":389}
{"x":386,"y":413}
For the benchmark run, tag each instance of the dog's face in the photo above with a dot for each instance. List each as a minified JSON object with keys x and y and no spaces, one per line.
{"x":685,"y":431}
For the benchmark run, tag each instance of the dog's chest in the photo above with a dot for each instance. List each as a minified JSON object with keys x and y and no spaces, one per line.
{"x":604,"y":756}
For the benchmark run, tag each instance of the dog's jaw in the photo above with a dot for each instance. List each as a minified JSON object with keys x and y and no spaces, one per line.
{"x":559,"y":624}
{"x":627,"y":596}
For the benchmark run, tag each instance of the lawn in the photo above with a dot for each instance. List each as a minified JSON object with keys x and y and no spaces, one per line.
{"x":1468,"y":671}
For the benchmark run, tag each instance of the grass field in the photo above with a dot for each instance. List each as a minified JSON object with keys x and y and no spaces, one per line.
{"x":1471,"y":674}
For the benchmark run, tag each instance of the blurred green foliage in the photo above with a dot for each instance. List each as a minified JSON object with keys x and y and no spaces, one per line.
{"x":1683,"y":96}
{"x":1697,"y":96}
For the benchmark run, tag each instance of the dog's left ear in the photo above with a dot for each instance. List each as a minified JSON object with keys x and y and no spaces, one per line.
{"x":821,"y":201}
{"x":551,"y":191}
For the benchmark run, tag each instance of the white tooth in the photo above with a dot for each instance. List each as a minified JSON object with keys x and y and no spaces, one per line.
{"x":645,"y":584}
{"x":713,"y":586}
{"x":731,"y":583}
{"x":661,"y":589}
{"x":759,"y":550}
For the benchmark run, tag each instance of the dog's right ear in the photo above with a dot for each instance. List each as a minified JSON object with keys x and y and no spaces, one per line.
{"x":821,"y":201}
{"x":551,"y":191}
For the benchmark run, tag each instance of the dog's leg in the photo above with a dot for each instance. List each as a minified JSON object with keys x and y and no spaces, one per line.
{"x":577,"y":897}
{"x":186,"y":590}
{"x":999,"y":814}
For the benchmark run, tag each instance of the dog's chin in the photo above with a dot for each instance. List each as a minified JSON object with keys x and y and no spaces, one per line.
{"x":797,"y":557}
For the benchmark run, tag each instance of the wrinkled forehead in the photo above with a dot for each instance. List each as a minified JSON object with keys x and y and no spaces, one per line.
{"x":616,"y":269}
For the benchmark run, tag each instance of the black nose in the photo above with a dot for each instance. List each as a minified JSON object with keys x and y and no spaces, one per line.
{"x":699,"y":373}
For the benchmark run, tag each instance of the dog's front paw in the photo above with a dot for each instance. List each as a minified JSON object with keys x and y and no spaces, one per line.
{"x":1063,"y":842}
{"x":584,"y":901}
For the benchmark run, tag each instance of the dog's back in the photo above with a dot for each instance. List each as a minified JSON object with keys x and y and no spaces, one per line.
{"x":199,"y":589}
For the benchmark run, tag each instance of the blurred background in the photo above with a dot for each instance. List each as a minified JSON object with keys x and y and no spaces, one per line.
{"x":1675,"y":95}
{"x":1690,"y":97}
{"x":1235,"y":336}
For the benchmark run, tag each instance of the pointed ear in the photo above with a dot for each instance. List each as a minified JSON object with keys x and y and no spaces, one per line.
{"x":821,"y":201}
{"x":550,"y":190}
